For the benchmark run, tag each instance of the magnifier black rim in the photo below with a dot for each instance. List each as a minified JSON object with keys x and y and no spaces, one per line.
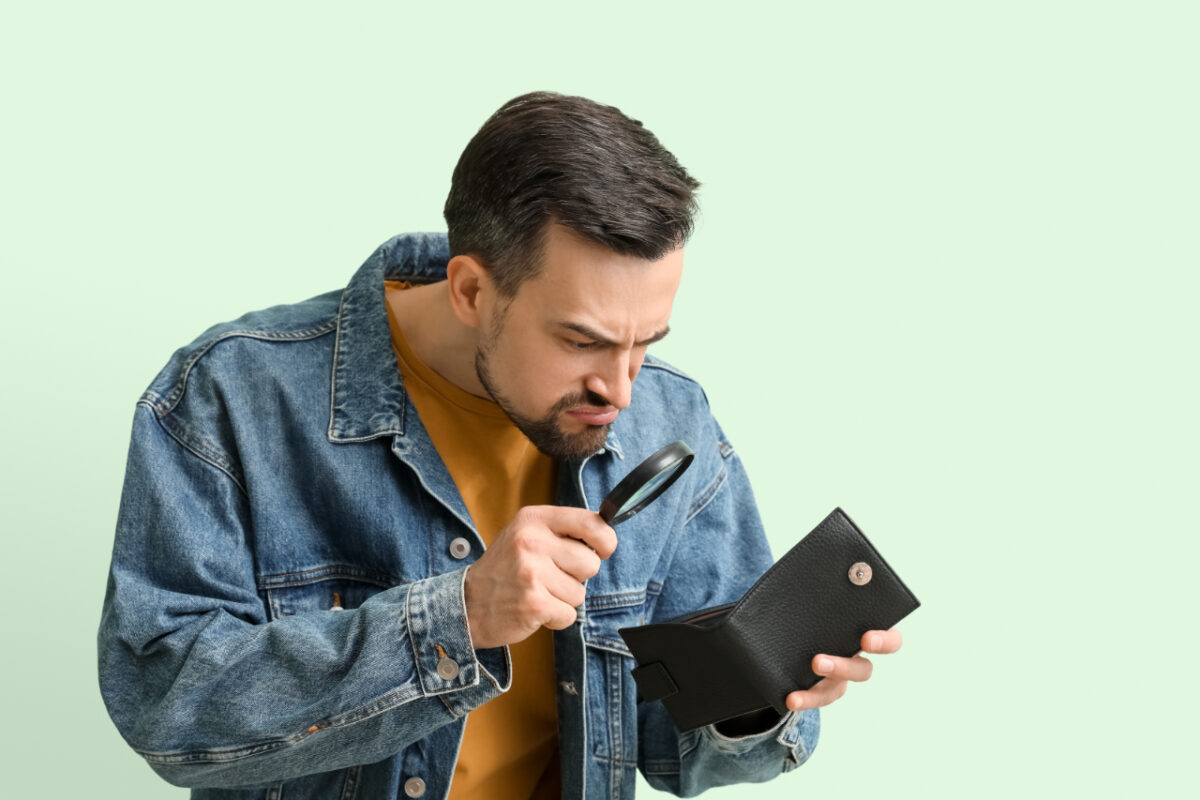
{"x":676,"y":452}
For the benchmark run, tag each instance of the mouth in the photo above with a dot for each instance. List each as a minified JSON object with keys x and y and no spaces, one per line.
{"x":591,"y":415}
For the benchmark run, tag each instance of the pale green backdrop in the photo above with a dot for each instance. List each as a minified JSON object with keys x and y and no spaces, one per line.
{"x":945,"y":277}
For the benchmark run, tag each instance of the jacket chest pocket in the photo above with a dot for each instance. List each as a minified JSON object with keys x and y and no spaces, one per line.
{"x":611,"y":695}
{"x":322,"y":590}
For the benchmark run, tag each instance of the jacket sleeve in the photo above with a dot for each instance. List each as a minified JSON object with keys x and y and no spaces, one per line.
{"x":213,"y":694}
{"x":723,"y":546}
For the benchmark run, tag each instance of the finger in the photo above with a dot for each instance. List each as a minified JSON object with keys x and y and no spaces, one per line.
{"x":844,"y":669}
{"x":821,"y":694}
{"x":575,"y":558}
{"x":564,"y":588}
{"x":581,"y":524}
{"x":561,"y":617}
{"x":888,"y":641}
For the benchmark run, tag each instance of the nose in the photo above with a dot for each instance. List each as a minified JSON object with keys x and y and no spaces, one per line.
{"x":614,"y":382}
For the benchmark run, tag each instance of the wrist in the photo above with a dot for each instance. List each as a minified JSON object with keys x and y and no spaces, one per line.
{"x":469,"y":606}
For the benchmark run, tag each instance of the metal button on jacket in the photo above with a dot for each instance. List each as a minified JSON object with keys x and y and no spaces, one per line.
{"x":447,"y":668}
{"x":460,"y":548}
{"x":414,"y":787}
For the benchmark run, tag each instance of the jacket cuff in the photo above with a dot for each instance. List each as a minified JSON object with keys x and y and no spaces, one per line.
{"x":446,"y":662}
{"x":799,"y":734}
{"x":740,"y":744}
{"x":796,"y":730}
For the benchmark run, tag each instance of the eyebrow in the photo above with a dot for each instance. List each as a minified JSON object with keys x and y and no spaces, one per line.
{"x":584,"y":330}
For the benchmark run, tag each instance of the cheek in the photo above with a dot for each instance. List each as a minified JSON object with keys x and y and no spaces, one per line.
{"x":541,"y":376}
{"x":559,"y":376}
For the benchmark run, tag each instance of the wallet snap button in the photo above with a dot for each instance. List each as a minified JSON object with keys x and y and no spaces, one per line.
{"x":860,"y":573}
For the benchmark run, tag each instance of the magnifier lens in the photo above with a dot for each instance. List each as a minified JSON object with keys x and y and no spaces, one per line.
{"x":649,"y":490}
{"x":646,"y":482}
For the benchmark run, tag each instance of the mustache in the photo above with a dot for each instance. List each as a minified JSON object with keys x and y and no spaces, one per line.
{"x":588,"y":398}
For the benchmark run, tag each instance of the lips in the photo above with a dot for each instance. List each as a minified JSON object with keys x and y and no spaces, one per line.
{"x":594,"y":416}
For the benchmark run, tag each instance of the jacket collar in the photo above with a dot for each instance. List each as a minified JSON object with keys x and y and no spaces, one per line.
{"x":368,"y":399}
{"x":367,"y":396}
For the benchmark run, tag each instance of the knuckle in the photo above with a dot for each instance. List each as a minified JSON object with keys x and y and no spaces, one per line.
{"x":527,"y":540}
{"x":526,"y":573}
{"x":529,"y":608}
{"x":537,"y":611}
{"x":594,"y":525}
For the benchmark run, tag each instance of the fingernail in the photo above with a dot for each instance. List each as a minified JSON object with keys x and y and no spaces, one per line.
{"x":875,"y":642}
{"x":797,"y":705}
{"x":824,"y":665}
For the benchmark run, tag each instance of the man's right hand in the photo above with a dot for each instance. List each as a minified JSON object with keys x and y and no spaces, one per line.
{"x":532,"y":574}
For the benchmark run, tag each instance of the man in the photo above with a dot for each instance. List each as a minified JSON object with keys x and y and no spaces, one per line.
{"x":301,"y":604}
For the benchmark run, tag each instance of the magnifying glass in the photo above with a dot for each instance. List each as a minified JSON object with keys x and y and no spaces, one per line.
{"x":648,"y":480}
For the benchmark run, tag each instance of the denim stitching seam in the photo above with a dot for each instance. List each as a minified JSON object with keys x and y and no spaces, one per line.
{"x":610,"y":645}
{"x":386,"y":702}
{"x":284,"y":580}
{"x":167,"y":404}
{"x":705,"y":497}
{"x":608,"y":601}
{"x":188,"y":446}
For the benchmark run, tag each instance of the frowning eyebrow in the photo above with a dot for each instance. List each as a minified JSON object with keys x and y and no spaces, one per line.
{"x":601,"y":339}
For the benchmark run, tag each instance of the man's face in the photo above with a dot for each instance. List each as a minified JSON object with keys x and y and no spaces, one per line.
{"x":560,"y":357}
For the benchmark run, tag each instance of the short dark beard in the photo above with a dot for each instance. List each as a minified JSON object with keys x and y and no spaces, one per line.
{"x":545,"y":433}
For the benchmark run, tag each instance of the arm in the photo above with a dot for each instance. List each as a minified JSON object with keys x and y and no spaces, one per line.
{"x":211,"y":693}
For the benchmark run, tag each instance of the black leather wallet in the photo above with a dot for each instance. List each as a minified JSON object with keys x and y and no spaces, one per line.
{"x":721,"y":662}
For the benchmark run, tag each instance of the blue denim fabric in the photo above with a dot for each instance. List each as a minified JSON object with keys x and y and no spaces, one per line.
{"x":276,"y":461}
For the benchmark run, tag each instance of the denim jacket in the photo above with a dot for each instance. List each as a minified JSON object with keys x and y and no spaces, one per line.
{"x":285,"y":618}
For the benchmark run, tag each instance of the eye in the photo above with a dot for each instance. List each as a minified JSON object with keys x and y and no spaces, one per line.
{"x":582,"y":346}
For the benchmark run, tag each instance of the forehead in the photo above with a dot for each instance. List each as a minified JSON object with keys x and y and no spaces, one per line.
{"x":583,"y":281}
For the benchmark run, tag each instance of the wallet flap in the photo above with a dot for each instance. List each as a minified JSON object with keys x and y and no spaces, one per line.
{"x":654,"y":682}
{"x":821,"y":597}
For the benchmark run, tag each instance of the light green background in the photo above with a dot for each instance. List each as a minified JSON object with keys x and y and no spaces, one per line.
{"x":945,"y":277}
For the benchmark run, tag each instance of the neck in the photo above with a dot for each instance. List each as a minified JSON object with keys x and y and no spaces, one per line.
{"x":436,"y":335}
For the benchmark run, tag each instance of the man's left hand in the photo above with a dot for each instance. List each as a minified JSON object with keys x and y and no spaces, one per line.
{"x":838,"y":672}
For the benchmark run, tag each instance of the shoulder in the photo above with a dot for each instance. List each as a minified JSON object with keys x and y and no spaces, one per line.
{"x":668,"y":404}
{"x":662,"y":392}
{"x":256,"y":347}
{"x":661,"y":377}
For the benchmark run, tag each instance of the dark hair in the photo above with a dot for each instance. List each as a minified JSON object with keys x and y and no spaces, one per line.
{"x":546,"y":157}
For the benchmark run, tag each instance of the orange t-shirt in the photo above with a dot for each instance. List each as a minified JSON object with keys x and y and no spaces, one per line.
{"x":510,"y":746}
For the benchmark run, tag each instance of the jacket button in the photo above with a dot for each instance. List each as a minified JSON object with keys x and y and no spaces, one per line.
{"x":460,"y":548}
{"x":447,"y":670}
{"x":414,"y":787}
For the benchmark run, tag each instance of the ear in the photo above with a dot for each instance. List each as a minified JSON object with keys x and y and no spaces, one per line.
{"x":471,"y":289}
